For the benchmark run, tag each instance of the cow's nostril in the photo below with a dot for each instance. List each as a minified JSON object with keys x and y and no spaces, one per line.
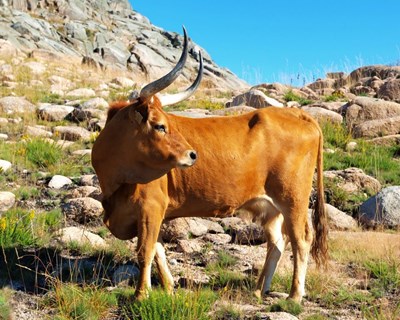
{"x":193,"y":155}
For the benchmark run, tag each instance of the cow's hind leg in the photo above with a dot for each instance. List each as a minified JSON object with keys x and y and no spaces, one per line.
{"x":164,"y":273}
{"x":277,"y":241}
{"x":300,"y":237}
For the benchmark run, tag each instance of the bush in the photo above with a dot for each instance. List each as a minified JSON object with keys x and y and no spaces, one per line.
{"x":183,"y":305}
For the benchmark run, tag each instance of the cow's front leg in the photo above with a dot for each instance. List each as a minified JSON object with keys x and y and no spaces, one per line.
{"x":167,"y":281}
{"x":149,"y":229}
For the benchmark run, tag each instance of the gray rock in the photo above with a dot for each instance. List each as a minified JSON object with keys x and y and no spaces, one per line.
{"x":37,"y":131}
{"x":82,"y":210}
{"x":338,"y":220}
{"x":7,"y":200}
{"x":95,"y":103}
{"x":189,"y":246}
{"x":243,"y":232}
{"x":86,"y":191}
{"x":123,"y":82}
{"x":54,"y":112}
{"x":256,"y":99}
{"x":219,"y":239}
{"x":89,"y":180}
{"x":125,"y":274}
{"x":72,"y":133}
{"x":377,"y":128}
{"x":183,"y":228}
{"x":275,"y":316}
{"x":363,"y":109}
{"x":353,"y":180}
{"x":322,"y":114}
{"x":80,"y":236}
{"x":12,"y":105}
{"x":5,"y":165}
{"x":58,"y":182}
{"x":390,"y":90}
{"x":3,"y":136}
{"x":382,"y":209}
{"x":82,"y":92}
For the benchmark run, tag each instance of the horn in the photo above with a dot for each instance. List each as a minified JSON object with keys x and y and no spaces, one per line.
{"x":169,"y":99}
{"x":160,"y":84}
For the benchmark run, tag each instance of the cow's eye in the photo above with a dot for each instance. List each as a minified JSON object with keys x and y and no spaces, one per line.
{"x":160,"y":128}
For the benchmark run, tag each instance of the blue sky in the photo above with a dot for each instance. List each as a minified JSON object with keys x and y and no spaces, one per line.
{"x":285,"y":41}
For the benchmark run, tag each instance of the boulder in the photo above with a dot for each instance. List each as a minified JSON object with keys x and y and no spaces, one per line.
{"x":377,"y":128}
{"x":125,"y":274}
{"x":338,"y":220}
{"x":7,"y":200}
{"x":72,"y":133}
{"x":52,"y":112}
{"x":363,"y":109}
{"x":58,"y":182}
{"x":390,"y":90}
{"x":86,"y":191}
{"x":12,"y":105}
{"x":95,"y":103}
{"x":321,"y":114}
{"x":38,"y":131}
{"x":79,"y":236}
{"x":382,"y":209}
{"x":89,"y":180}
{"x":81,"y":93}
{"x":183,"y":228}
{"x":82,"y":210}
{"x":5,"y":165}
{"x":353,"y":180}
{"x":256,"y":99}
{"x":189,"y":246}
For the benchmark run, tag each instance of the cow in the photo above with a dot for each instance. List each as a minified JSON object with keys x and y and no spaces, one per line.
{"x":153,"y":166}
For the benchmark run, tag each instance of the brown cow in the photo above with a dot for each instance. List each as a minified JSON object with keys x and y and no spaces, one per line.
{"x":260,"y":164}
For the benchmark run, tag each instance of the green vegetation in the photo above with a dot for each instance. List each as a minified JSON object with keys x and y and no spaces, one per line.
{"x":222,"y":272}
{"x":5,"y":309}
{"x":288,"y":306}
{"x":378,"y":161}
{"x":291,"y":96}
{"x":196,"y":104}
{"x":385,"y":277}
{"x":74,"y":302}
{"x":183,"y":305}
{"x":20,"y":227}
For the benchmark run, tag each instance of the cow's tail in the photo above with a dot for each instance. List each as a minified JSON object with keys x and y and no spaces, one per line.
{"x":319,"y":248}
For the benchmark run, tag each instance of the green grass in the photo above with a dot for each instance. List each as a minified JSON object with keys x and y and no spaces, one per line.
{"x":26,"y":228}
{"x":5,"y":309}
{"x":82,"y":303}
{"x":183,"y":305}
{"x":291,"y":96}
{"x":222,"y":272}
{"x":385,"y":277}
{"x":380,"y":162}
{"x":288,"y":306}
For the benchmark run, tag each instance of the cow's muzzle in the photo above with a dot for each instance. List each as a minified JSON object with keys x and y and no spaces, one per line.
{"x":188,"y":160}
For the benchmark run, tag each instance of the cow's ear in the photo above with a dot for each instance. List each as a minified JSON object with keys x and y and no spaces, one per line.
{"x":140,"y":114}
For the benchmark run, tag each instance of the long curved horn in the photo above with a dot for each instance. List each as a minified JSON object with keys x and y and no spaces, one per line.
{"x":160,"y":84}
{"x":168,"y":99}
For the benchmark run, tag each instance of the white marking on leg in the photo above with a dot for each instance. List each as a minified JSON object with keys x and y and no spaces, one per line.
{"x":162,"y":262}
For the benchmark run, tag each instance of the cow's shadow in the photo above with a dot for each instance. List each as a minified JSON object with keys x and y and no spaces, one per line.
{"x":37,"y":270}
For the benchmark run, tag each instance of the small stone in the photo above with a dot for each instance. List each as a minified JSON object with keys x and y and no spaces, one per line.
{"x":5,"y":165}
{"x":58,"y":182}
{"x":7,"y":200}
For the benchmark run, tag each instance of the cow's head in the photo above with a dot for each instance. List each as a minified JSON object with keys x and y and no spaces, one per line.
{"x":140,"y":143}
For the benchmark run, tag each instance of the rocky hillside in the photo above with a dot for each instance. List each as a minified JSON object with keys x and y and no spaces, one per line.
{"x":106,"y":34}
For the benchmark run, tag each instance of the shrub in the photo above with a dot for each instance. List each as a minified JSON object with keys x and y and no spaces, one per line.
{"x":183,"y":305}
{"x":291,"y":96}
{"x":74,"y":302}
{"x":42,"y":153}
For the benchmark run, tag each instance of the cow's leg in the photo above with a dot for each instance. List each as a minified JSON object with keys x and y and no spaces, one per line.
{"x":277,"y":241}
{"x":164,"y":273}
{"x":300,"y":238}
